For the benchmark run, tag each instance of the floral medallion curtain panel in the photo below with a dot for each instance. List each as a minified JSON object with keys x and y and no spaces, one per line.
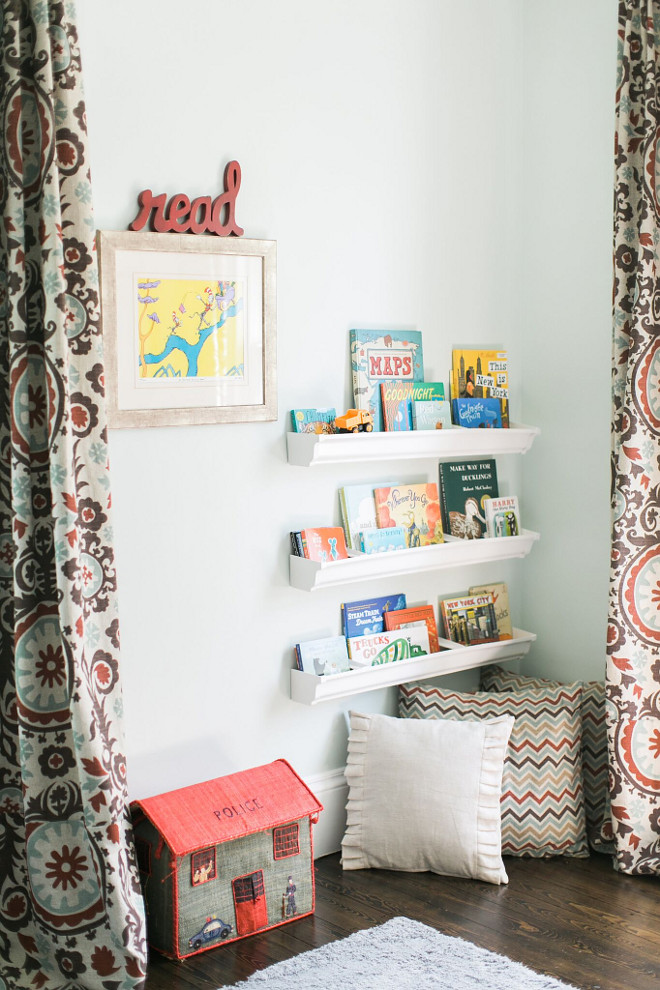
{"x":633,"y":689}
{"x":71,"y":913}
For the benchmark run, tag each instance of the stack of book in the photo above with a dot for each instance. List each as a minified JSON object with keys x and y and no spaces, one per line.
{"x":386,"y":630}
{"x":479,"y":388}
{"x":390,"y":516}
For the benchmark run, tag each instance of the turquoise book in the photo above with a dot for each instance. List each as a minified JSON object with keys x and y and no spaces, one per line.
{"x":431,"y":414}
{"x":383,"y":355}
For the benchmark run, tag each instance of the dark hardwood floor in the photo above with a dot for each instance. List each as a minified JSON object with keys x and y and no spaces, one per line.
{"x":577,"y":920}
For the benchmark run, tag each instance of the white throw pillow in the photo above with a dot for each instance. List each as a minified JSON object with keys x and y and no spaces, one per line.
{"x":425,"y":795}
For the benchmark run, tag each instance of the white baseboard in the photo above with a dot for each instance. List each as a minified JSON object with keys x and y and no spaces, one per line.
{"x":332,"y":791}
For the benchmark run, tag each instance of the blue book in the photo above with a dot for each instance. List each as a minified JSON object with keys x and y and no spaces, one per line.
{"x":477,"y":413}
{"x":358,"y":510}
{"x":365,"y":617}
{"x":313,"y":420}
{"x":431,"y":414}
{"x":381,"y":356}
{"x":380,"y":540}
{"x":323,"y":656}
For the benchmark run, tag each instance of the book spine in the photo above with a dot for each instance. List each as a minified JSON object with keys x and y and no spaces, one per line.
{"x":443,"y":500}
{"x":298,"y":657}
{"x":344,"y":519}
{"x":296,"y":544}
{"x":303,"y":544}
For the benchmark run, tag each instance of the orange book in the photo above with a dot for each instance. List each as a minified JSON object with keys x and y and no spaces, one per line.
{"x":324,"y":543}
{"x":415,"y":507}
{"x":404,"y":617}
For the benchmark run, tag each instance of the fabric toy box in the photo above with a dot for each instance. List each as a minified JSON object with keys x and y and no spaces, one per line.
{"x":226,"y":858}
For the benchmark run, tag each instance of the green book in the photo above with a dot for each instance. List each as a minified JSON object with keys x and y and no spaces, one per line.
{"x":465,"y":486}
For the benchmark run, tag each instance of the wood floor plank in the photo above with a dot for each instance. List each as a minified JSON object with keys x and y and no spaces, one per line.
{"x":576,"y":920}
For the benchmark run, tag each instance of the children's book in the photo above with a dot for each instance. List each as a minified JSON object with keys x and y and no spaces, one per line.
{"x":358,"y":511}
{"x":313,"y":420}
{"x":397,"y":398}
{"x":323,"y":656}
{"x":421,"y":615}
{"x":465,"y":487}
{"x":324,"y":543}
{"x":477,"y":413}
{"x":414,"y":507}
{"x":296,"y":544}
{"x":381,"y":540}
{"x":469,"y":620}
{"x":363,"y":617}
{"x":500,"y":593}
{"x":502,"y":516}
{"x":431,"y":414}
{"x":387,"y":647}
{"x":383,"y":355}
{"x":481,"y":373}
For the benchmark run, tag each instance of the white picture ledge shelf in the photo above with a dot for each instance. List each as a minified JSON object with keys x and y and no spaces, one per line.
{"x":310,"y":689}
{"x":311,"y":575}
{"x":311,"y":450}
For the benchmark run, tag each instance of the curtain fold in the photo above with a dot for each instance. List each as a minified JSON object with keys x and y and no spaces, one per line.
{"x":633,"y":666}
{"x":71,"y":911}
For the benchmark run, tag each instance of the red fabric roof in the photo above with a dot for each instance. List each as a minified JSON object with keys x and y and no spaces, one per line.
{"x":229,"y":807}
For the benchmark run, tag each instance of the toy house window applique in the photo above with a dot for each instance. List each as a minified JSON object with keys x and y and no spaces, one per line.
{"x":202,"y":866}
{"x":285,"y":841}
{"x":143,"y":856}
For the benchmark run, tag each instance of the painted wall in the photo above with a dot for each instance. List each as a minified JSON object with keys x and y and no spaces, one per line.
{"x":389,"y":157}
{"x":565,"y":327}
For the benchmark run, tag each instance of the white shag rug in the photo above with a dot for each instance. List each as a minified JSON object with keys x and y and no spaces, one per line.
{"x":402,"y":955}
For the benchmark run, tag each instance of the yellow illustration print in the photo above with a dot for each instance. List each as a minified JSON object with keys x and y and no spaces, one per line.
{"x":190,"y":328}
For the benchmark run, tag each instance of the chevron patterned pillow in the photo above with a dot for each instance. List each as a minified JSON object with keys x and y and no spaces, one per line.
{"x":595,"y":758}
{"x":542,"y":800}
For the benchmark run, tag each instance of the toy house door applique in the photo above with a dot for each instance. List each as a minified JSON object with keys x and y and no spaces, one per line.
{"x":250,"y":903}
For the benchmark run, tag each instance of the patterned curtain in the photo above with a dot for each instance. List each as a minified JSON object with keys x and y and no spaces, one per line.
{"x":71,"y":913}
{"x":633,"y":688}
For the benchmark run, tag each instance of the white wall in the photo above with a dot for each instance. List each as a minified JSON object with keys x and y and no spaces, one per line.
{"x":381,"y":147}
{"x":565,"y":326}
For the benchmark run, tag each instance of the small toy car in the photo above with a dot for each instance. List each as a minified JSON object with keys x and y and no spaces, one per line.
{"x":214,"y":928}
{"x":355,"y":421}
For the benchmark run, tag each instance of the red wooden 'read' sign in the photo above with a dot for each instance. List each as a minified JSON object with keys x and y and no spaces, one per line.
{"x":201,"y":216}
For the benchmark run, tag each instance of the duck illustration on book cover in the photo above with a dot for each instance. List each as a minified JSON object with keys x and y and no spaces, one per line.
{"x":415,"y":507}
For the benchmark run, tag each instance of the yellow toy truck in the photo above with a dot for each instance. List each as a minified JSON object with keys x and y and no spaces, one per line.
{"x":355,"y":421}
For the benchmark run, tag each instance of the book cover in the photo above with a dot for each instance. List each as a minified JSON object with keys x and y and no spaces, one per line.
{"x":500,"y":593}
{"x":465,"y":487}
{"x":502,"y":516}
{"x":397,"y":398}
{"x":323,"y":656}
{"x":313,"y":420}
{"x":388,"y":647}
{"x":409,"y":617}
{"x":358,"y":511}
{"x":324,"y":543}
{"x":364,"y":617}
{"x":477,"y":413}
{"x":431,"y":414}
{"x":469,"y":620}
{"x":381,"y":540}
{"x":481,"y":373}
{"x":383,"y":355}
{"x":414,"y":507}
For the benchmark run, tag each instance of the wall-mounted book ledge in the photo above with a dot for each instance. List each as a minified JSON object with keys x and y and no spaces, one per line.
{"x":311,"y":450}
{"x":310,"y":575}
{"x":310,"y":689}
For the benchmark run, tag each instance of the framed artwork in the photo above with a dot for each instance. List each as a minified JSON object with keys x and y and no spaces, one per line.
{"x":189,"y":329}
